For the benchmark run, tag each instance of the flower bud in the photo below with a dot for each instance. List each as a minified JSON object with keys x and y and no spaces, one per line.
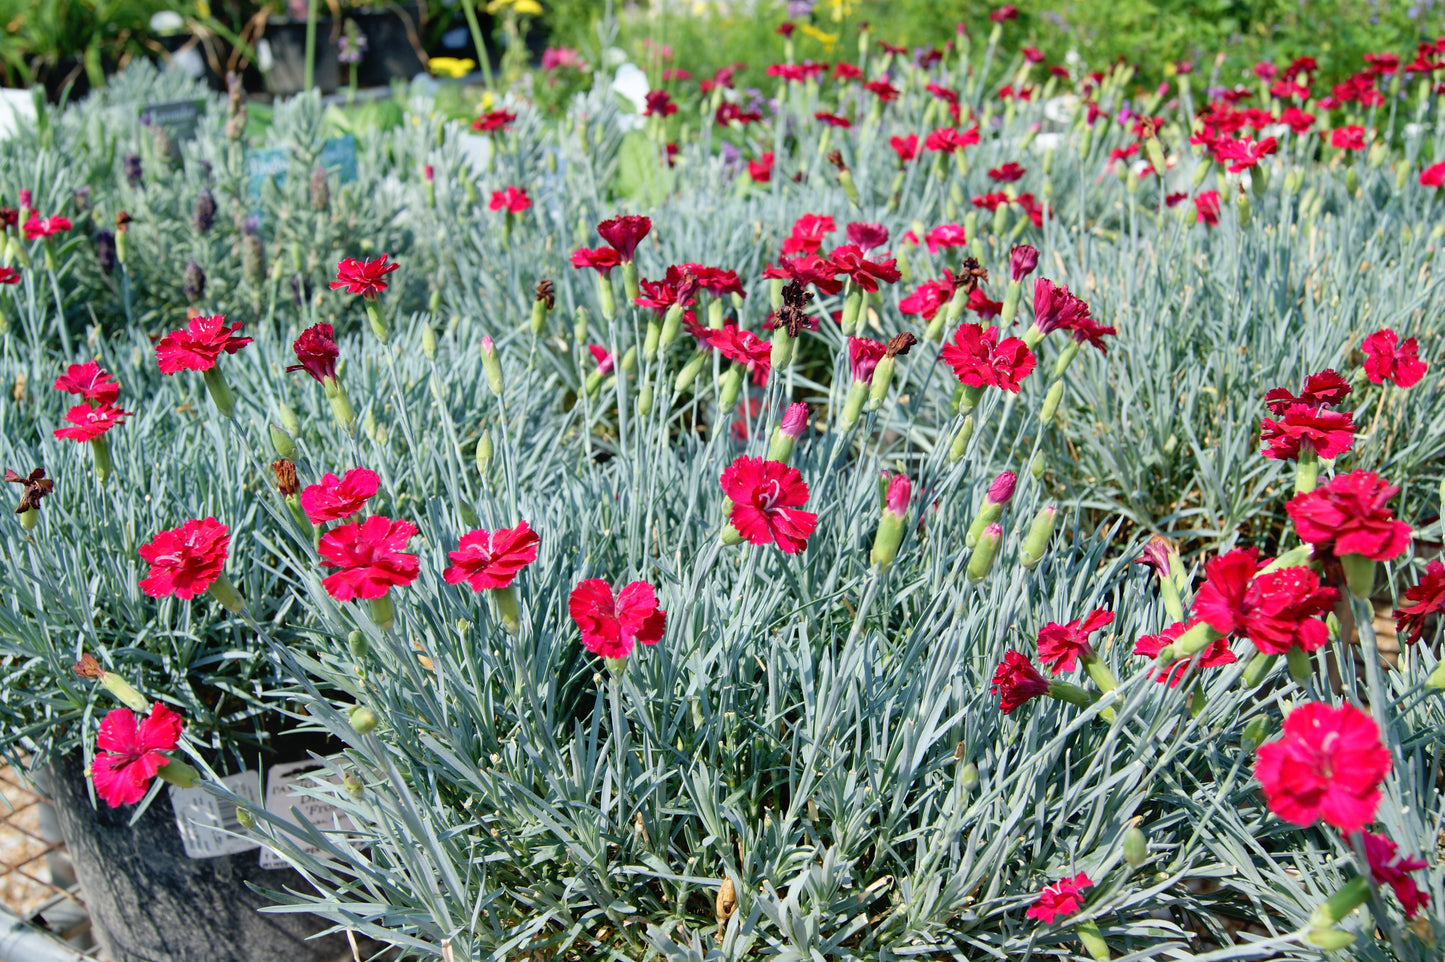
{"x":785,"y":436}
{"x":205,"y":211}
{"x":1136,"y":847}
{"x":1255,"y":732}
{"x":353,"y":786}
{"x":892,"y":522}
{"x":484,"y":453}
{"x":492,"y":366}
{"x":193,"y":284}
{"x":961,"y":437}
{"x":981,"y":561}
{"x":358,"y":645}
{"x":1000,"y":492}
{"x":281,"y":442}
{"x":363,"y":720}
{"x":1037,"y":465}
{"x":244,"y":817}
{"x":689,"y":372}
{"x":579,"y":325}
{"x":968,"y":777}
{"x":179,"y":773}
{"x":1051,"y":402}
{"x":253,"y":259}
{"x":318,"y":189}
{"x":545,"y":300}
{"x":289,"y":422}
{"x":429,"y":342}
{"x":1036,"y":542}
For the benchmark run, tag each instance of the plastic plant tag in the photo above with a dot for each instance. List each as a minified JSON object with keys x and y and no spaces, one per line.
{"x":179,"y":118}
{"x":204,"y":820}
{"x":285,"y":785}
{"x":337,"y":156}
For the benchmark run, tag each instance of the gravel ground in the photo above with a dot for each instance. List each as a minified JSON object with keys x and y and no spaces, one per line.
{"x":21,"y":851}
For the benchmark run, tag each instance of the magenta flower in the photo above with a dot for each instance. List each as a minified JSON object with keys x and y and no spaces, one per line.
{"x":316,"y":350}
{"x":765,"y":497}
{"x":128,"y":753}
{"x":1064,"y":897}
{"x":1061,"y":645}
{"x":625,"y":233}
{"x":370,"y":558}
{"x":1389,"y":359}
{"x":89,"y":423}
{"x":1016,"y":681}
{"x":198,"y":345}
{"x":363,"y":277}
{"x":333,"y":498}
{"x":1328,"y":765}
{"x":90,"y":381}
{"x":491,"y":559}
{"x":979,"y":359}
{"x":610,"y":626}
{"x":184,"y":561}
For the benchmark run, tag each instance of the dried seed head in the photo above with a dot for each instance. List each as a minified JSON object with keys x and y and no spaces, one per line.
{"x":36,"y":486}
{"x":88,"y":667}
{"x":286,"y":481}
{"x":899,"y":344}
{"x":546,"y":291}
{"x":836,"y":159}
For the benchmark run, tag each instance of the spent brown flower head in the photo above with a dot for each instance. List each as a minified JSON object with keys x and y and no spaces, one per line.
{"x":286,"y":481}
{"x":37,"y":486}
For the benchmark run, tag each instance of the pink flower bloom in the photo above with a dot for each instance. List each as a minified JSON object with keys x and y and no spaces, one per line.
{"x":1325,"y":389}
{"x":316,"y":350}
{"x":761,"y":170}
{"x":198,"y":345}
{"x":1007,"y":173}
{"x":907,"y":147}
{"x":807,"y":269}
{"x":9,"y":275}
{"x":1349,"y":515}
{"x":1433,"y":176}
{"x":808,"y":233}
{"x":1278,"y":610}
{"x":743,"y":347}
{"x":765,"y":497}
{"x":1330,"y":433}
{"x":1328,"y":764}
{"x":128,"y":753}
{"x":1348,"y":138}
{"x":495,"y":120}
{"x":795,"y":420}
{"x":864,"y":353}
{"x":867,"y":236}
{"x":625,"y":233}
{"x":1001,"y":489}
{"x":1061,"y":645}
{"x":610,"y":627}
{"x":1385,"y":361}
{"x":946,"y":235}
{"x":949,"y":139}
{"x":1206,"y":207}
{"x":491,"y":559}
{"x":1016,"y":681}
{"x":369,"y":554}
{"x":1055,"y":308}
{"x":333,"y":498}
{"x":185,"y":560}
{"x":90,"y":381}
{"x":930,"y":298}
{"x":1215,"y":655}
{"x":1062,"y":898}
{"x":1427,"y":598}
{"x":363,"y":277}
{"x":603,"y":357}
{"x":1021,"y":262}
{"x":895,"y":502}
{"x":979,"y":359}
{"x":89,"y":422}
{"x":37,"y":226}
{"x":513,"y":200}
{"x":601,"y":259}
{"x":1387,"y":867}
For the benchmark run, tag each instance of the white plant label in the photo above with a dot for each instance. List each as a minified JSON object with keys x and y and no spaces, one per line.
{"x":283,"y":793}
{"x":204,"y":820}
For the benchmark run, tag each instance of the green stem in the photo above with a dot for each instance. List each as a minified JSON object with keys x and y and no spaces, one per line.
{"x":469,"y":8}
{"x":309,"y":71}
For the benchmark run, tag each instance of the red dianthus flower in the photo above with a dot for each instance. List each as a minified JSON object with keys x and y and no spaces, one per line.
{"x":1389,"y":359}
{"x":1427,"y":598}
{"x":491,"y":559}
{"x":90,"y":381}
{"x":128,"y":752}
{"x":1060,"y":646}
{"x":611,"y":626}
{"x":333,"y":498}
{"x":979,"y":359}
{"x":1062,"y":898}
{"x":1349,"y":515}
{"x":765,"y":496}
{"x":1016,"y":681}
{"x":184,"y":561}
{"x":370,"y":558}
{"x":89,"y":422}
{"x":198,"y":345}
{"x":363,"y":277}
{"x":1328,"y":765}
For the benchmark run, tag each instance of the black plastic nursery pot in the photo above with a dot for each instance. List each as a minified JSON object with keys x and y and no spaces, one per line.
{"x":287,"y":40}
{"x":391,"y":46}
{"x":149,"y":902}
{"x":391,"y":50}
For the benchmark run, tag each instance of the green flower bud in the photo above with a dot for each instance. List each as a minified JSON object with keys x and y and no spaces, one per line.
{"x":358,"y":645}
{"x":484,"y":453}
{"x":1036,"y":542}
{"x":281,"y":442}
{"x":1256,"y":730}
{"x":363,"y":720}
{"x":1051,"y":402}
{"x":179,"y":774}
{"x":882,"y":378}
{"x":492,"y":366}
{"x":961,"y":437}
{"x":429,"y":342}
{"x":689,"y":372}
{"x":245,"y":818}
{"x":981,"y":561}
{"x":1136,"y":847}
{"x":1037,"y":465}
{"x":353,"y":786}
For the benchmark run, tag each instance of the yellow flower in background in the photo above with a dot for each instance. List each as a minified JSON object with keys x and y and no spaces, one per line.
{"x":826,"y":39}
{"x":840,"y":9}
{"x":451,"y":66}
{"x":488,"y":101}
{"x":529,"y":8}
